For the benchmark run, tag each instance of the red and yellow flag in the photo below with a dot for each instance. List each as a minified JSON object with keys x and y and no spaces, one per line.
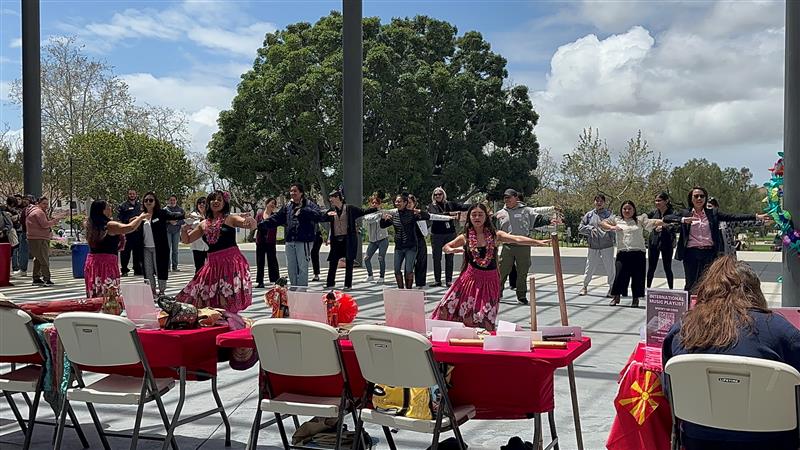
{"x":643,"y":403}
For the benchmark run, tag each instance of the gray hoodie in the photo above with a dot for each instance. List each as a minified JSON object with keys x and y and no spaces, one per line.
{"x":520,"y":220}
{"x":590,"y":227}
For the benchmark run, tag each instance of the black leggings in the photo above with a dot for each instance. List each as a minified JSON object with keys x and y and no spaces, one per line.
{"x":315,"y":253}
{"x":421,"y":263}
{"x":666,"y":261}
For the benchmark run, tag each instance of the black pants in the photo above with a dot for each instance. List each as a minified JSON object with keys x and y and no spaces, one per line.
{"x":695,"y":262}
{"x":267,"y":253}
{"x":421,"y":263}
{"x":339,"y":251}
{"x":666,"y":261}
{"x":199,"y":257}
{"x":133,"y":244}
{"x":630,"y":268}
{"x":315,"y":253}
{"x":512,"y":277}
{"x":438,"y":242}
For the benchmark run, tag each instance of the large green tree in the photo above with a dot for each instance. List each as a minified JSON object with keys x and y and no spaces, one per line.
{"x":110,"y":163}
{"x":436,"y":112}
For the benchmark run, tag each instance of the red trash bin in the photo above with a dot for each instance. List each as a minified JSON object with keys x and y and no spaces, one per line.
{"x":5,"y":264}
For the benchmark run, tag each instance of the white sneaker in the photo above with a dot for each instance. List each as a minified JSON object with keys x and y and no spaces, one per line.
{"x":20,"y":274}
{"x":379,"y":281}
{"x":369,"y":279}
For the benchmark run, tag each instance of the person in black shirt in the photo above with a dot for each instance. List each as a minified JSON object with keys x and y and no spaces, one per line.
{"x":661,"y":241}
{"x":126,"y":212}
{"x":156,"y":245}
{"x":344,"y":237}
{"x":101,"y":270}
{"x":404,"y":221}
{"x":442,"y":233}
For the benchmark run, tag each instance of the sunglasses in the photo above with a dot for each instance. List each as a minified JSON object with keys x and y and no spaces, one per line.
{"x":698,"y":195}
{"x":149,"y":200}
{"x":438,"y":194}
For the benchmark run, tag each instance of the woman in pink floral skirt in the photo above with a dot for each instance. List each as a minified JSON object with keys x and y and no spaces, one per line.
{"x":475,"y":296}
{"x":224,"y":281}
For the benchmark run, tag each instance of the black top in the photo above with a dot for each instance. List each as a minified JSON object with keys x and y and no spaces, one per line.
{"x":772,"y":337}
{"x":227,"y":239}
{"x":445,"y":227}
{"x":127,"y":211}
{"x":714,"y":217}
{"x":109,"y":245}
{"x":482,"y":252}
{"x":664,"y":238}
{"x":405,"y":223}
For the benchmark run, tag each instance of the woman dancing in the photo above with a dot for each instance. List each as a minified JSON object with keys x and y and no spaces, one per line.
{"x":474,"y":297}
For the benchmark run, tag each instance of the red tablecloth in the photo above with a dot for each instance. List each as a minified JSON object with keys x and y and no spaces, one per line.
{"x":643,"y":420}
{"x":167,"y":350}
{"x":501,"y":385}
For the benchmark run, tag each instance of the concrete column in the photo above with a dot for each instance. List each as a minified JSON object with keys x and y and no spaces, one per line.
{"x":790,"y":290}
{"x":31,"y":99}
{"x":352,"y":105}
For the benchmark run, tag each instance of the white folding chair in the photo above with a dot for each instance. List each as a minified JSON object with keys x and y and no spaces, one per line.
{"x":732,"y":393}
{"x":299,"y":348}
{"x":402,"y":358}
{"x":104,"y":340}
{"x":18,"y":341}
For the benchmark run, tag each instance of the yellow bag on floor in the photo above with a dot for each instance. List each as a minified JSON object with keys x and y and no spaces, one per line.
{"x":408,"y":402}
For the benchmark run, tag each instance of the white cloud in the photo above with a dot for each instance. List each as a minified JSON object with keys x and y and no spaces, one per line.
{"x":201,"y":100}
{"x":214,"y":26}
{"x":15,"y":43}
{"x":712,"y":88}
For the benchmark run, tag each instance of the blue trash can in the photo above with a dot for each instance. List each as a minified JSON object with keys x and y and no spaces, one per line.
{"x":80,"y":250}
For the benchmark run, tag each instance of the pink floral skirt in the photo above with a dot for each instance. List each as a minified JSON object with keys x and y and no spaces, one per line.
{"x":473,"y":299}
{"x":100,"y":272}
{"x":223,"y":282}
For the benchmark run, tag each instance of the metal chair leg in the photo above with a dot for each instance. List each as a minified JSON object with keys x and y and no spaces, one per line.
{"x":551,"y":417}
{"x":98,"y":426}
{"x":137,"y":423}
{"x":359,"y":430}
{"x":62,"y":418}
{"x":296,"y":422}
{"x":282,"y":431}
{"x":165,"y":419}
{"x":389,"y":439}
{"x":14,"y":409}
{"x":32,"y":409}
{"x":252,"y":441}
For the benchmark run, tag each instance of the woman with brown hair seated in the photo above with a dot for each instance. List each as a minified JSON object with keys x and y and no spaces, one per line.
{"x":731,"y":317}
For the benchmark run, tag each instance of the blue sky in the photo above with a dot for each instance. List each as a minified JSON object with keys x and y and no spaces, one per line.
{"x":699,"y":78}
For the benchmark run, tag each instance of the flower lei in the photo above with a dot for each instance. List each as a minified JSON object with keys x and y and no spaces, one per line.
{"x":783,"y":219}
{"x":213,"y":229}
{"x":472,"y":242}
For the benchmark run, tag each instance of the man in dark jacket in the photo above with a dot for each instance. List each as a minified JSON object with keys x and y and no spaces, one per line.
{"x":442,"y":233}
{"x":299,"y":218}
{"x":344,"y":237}
{"x":126,"y":212}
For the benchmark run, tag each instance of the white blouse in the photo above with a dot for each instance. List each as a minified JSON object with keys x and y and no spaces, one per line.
{"x":630,"y":236}
{"x":147,"y":231}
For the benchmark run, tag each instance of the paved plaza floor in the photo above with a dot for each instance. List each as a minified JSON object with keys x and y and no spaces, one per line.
{"x":614,"y":332}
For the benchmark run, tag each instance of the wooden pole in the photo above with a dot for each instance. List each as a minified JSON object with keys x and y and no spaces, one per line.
{"x":562,"y":299}
{"x":562,"y":302}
